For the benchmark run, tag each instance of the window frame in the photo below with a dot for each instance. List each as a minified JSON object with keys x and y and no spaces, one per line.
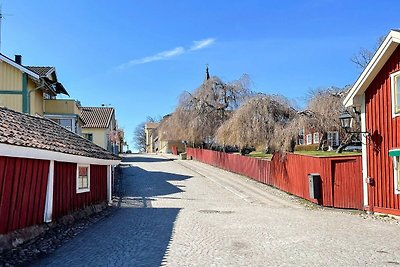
{"x":309,"y":139}
{"x":394,"y":84}
{"x":316,"y":138}
{"x":83,"y":189}
{"x":85,"y":135}
{"x":395,"y":155}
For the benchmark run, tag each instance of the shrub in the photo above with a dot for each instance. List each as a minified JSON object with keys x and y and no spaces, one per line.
{"x":313,"y":147}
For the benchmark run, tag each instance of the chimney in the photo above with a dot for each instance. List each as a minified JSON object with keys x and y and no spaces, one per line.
{"x":18,"y":59}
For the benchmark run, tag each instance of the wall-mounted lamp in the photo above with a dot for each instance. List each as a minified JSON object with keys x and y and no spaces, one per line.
{"x":346,"y":120}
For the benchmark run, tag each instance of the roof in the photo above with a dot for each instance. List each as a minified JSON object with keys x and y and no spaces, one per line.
{"x":379,"y":59}
{"x":18,"y":66}
{"x":151,"y":125}
{"x":19,"y":129}
{"x":96,"y":117}
{"x":41,"y":71}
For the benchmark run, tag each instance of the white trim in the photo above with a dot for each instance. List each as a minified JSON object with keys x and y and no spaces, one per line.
{"x":35,"y":153}
{"x":20,"y":67}
{"x":48,"y":208}
{"x":316,"y":140}
{"x":374,"y":66}
{"x":396,"y":174}
{"x":364,"y":157}
{"x":82,"y":190}
{"x":393,"y":88}
{"x":109,"y":184}
{"x":309,"y":139}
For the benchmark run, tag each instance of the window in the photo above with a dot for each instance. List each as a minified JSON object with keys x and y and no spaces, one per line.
{"x":395,"y":154}
{"x":396,"y":163}
{"x":66,"y":123}
{"x":301,"y":137}
{"x":395,"y":84}
{"x":316,"y":138}
{"x":88,"y":136}
{"x":309,"y":139}
{"x":333,"y":139}
{"x":83,"y":178}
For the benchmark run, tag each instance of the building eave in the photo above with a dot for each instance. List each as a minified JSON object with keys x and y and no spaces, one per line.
{"x":379,"y":59}
{"x":34,"y":153}
{"x":18,"y":66}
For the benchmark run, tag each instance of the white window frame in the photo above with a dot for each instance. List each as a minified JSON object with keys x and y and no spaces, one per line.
{"x":301,"y":140}
{"x":394,"y":80}
{"x":86,"y":135}
{"x":396,"y":174}
{"x":333,"y":138}
{"x":309,"y":139}
{"x":82,"y":190}
{"x":316,"y":138}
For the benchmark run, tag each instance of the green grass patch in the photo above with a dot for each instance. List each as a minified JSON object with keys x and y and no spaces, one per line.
{"x":327,"y":153}
{"x":258,"y":154}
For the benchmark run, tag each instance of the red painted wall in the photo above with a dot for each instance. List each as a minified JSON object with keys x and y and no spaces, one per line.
{"x":341,"y":176}
{"x":23,"y":185}
{"x":385,"y":135}
{"x":65,"y":198}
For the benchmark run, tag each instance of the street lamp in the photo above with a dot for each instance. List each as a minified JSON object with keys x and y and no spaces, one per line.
{"x":346,"y":120}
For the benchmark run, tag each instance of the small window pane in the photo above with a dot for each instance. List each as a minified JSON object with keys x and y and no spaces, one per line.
{"x":397,"y":93}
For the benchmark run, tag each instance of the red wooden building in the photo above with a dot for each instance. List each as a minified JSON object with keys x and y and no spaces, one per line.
{"x":376,"y":94}
{"x":46,"y":171}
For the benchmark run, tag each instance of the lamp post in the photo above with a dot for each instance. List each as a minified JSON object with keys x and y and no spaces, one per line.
{"x":346,"y":121}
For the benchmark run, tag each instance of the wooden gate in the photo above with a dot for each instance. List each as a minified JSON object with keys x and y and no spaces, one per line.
{"x":346,"y":184}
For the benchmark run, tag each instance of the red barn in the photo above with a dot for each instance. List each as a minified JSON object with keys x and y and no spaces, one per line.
{"x":46,"y":171}
{"x":376,"y":94}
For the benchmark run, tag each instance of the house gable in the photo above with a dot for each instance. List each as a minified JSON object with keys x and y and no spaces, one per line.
{"x":381,"y":56}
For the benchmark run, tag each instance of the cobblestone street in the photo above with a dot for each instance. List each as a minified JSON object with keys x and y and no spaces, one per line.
{"x":185,"y":213}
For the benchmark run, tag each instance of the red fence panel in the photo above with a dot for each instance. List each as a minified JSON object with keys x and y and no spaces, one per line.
{"x":341,"y":177}
{"x":23,"y":185}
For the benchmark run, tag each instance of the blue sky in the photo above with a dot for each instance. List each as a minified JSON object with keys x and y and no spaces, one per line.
{"x":139,"y":56}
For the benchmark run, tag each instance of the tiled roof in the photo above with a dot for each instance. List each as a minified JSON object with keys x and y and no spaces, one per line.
{"x":41,"y":71}
{"x":96,"y":117}
{"x":36,"y":132}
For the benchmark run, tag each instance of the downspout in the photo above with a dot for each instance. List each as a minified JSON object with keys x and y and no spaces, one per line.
{"x":364,"y":155}
{"x":48,"y":208}
{"x":25,"y":94}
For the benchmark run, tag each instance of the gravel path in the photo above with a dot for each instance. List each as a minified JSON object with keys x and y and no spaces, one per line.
{"x":185,"y":213}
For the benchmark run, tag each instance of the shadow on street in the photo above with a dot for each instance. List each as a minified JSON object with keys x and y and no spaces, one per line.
{"x":143,"y":159}
{"x":136,"y":234}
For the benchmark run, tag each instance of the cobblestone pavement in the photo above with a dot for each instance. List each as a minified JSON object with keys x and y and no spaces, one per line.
{"x":185,"y":213}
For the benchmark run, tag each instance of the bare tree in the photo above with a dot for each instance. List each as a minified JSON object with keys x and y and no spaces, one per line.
{"x":139,"y":137}
{"x":364,"y":55}
{"x":322,"y":115}
{"x":199,"y":114}
{"x":257,"y":123}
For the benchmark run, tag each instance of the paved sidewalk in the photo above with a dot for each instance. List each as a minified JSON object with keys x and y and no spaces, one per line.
{"x":185,"y":213}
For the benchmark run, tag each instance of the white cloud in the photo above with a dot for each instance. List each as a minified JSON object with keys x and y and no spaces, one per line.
{"x":169,"y":53}
{"x":159,"y":56}
{"x":202,"y":44}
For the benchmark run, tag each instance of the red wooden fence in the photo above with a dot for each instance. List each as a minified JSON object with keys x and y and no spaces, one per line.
{"x":23,"y":184}
{"x":341,"y":176}
{"x":65,"y":198}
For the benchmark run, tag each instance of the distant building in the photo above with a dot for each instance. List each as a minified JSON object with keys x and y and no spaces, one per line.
{"x":100,"y":127}
{"x":151,"y":133}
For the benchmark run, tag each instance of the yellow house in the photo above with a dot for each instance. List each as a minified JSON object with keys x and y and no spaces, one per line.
{"x":33,"y":90}
{"x":100,"y":127}
{"x":24,"y":88}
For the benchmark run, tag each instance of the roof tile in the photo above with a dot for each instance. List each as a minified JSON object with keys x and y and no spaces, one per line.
{"x":32,"y":131}
{"x":96,"y":117}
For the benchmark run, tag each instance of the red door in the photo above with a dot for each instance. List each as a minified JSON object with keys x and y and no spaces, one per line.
{"x":347,"y":188}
